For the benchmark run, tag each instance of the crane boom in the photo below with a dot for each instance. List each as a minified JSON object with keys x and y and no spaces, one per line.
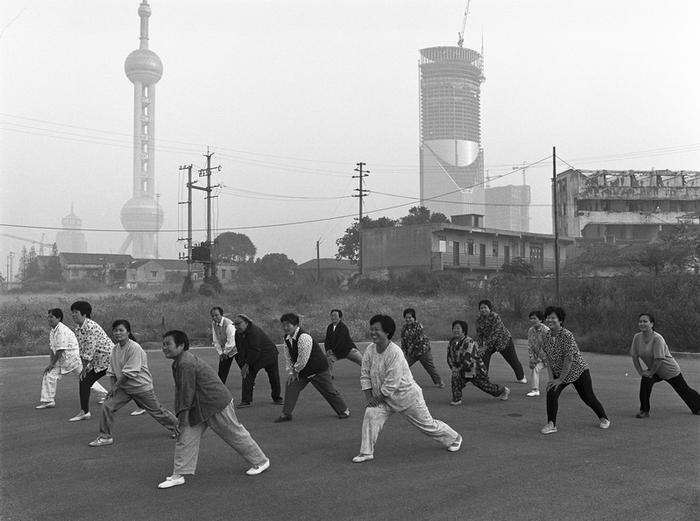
{"x":460,"y":40}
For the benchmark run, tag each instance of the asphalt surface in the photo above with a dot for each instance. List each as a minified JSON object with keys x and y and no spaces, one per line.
{"x":637,"y":470}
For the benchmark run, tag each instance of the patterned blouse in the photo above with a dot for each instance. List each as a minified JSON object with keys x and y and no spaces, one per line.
{"x":560,"y":346}
{"x":463,"y":355}
{"x":414,"y":341}
{"x":491,"y":333}
{"x":535,"y":342}
{"x":95,"y":345}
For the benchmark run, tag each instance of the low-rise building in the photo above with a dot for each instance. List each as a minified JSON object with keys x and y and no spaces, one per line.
{"x":336,"y":271}
{"x":461,"y":245}
{"x":109,"y":268}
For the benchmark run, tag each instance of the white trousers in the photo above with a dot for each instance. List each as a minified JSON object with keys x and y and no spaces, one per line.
{"x":536,"y":375}
{"x":418,"y":415}
{"x":49,"y":382}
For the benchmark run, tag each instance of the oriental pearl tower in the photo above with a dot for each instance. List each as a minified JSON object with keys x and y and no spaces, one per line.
{"x":141,"y":216}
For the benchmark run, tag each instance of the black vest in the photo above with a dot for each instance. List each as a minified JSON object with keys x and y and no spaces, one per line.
{"x":317,"y":362}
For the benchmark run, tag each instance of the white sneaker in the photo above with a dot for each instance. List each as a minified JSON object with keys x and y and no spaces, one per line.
{"x":505,"y":395}
{"x":604,"y":423}
{"x":534,"y":392}
{"x":548,"y":429}
{"x":258,"y":469}
{"x":456,"y":402}
{"x":137,"y":412}
{"x":172,"y":482}
{"x":456,"y":445}
{"x":46,"y":405}
{"x":522,"y":381}
{"x":80,"y":416}
{"x":362,"y":457}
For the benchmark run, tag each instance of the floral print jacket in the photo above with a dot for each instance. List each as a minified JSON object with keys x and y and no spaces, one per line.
{"x":414,"y":342}
{"x":95,"y":345}
{"x":491,"y":333}
{"x":464,"y":358}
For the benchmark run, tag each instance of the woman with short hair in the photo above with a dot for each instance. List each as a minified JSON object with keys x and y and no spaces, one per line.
{"x":651,"y":348}
{"x":416,"y":346}
{"x":566,"y":366}
{"x":493,"y":337}
{"x":389,"y":387}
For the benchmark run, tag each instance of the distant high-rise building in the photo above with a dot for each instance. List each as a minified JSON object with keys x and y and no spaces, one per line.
{"x":508,"y":207}
{"x":71,"y":239}
{"x":451,"y":157}
{"x":141,"y":216}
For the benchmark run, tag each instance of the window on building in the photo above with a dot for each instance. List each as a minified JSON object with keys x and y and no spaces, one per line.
{"x":494,"y":249}
{"x":154,"y":274}
{"x":537,"y":256}
{"x":470,"y":247}
{"x":455,"y":253}
{"x":223,"y":274}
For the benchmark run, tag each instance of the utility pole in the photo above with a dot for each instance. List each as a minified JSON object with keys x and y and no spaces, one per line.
{"x":9,"y":276}
{"x":209,"y":267}
{"x":318,"y":261}
{"x":157,"y":222}
{"x":188,"y":286}
{"x":361,"y":194}
{"x":555,"y":210}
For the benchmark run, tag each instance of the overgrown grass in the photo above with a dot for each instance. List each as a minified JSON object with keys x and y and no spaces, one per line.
{"x":602,"y":313}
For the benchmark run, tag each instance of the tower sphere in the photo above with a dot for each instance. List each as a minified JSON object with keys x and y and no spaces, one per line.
{"x":141,"y":214}
{"x":144,"y":66}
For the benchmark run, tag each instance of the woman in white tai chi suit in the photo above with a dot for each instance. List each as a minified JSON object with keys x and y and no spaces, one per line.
{"x":389,"y":387}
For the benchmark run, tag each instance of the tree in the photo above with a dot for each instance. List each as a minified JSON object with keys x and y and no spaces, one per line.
{"x":53,"y":271}
{"x":677,"y":250}
{"x":349,"y":244}
{"x":421,"y":215}
{"x":233,"y":247}
{"x":275,"y":267}
{"x":518,"y":267}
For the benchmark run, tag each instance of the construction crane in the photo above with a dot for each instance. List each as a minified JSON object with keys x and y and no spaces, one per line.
{"x":460,"y":41}
{"x":41,"y":243}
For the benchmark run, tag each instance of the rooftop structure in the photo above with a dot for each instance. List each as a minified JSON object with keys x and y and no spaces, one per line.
{"x":628,"y":205}
{"x":141,"y":216}
{"x":71,"y":238}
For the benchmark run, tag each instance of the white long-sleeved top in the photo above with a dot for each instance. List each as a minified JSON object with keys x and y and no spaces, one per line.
{"x":229,"y":343}
{"x":388,"y":375}
{"x":62,"y":338}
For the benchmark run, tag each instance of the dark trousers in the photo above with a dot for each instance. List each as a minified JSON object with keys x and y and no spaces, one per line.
{"x":480,"y":381}
{"x":323,"y":384}
{"x":224,"y":367}
{"x":584,"y":387}
{"x":426,"y":360}
{"x":273,"y":374}
{"x":689,"y":395}
{"x":510,"y":356}
{"x":84,"y":386}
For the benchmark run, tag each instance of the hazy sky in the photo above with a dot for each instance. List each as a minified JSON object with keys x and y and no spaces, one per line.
{"x":290,"y":95}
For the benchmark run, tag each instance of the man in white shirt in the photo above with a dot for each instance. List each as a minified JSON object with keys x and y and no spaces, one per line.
{"x":224,"y":339}
{"x":63,"y":359}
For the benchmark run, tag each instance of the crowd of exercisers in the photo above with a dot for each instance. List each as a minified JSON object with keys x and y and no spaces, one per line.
{"x":203,"y":401}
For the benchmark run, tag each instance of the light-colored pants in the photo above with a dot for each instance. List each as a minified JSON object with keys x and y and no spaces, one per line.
{"x":354,"y":356}
{"x":49,"y":382}
{"x":228,"y":428}
{"x":145,"y":400}
{"x":536,"y":375}
{"x":417,"y":414}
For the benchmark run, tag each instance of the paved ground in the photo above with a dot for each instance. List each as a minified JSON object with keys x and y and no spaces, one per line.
{"x":636,"y":470}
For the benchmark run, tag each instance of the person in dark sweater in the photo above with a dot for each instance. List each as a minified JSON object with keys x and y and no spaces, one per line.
{"x":306,"y":364}
{"x":338,"y":343}
{"x":202,"y":400}
{"x":255,"y":352}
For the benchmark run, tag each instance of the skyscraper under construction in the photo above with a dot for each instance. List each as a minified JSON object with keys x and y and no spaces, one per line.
{"x":451,"y":156}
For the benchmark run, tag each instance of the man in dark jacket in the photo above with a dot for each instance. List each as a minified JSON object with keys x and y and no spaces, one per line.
{"x":306,"y":364}
{"x":255,"y":351}
{"x":338,"y":344}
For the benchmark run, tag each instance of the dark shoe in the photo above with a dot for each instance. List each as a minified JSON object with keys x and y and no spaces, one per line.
{"x":283,"y":418}
{"x":243,"y":405}
{"x":345,"y":414}
{"x":278,"y":401}
{"x":642,"y":414}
